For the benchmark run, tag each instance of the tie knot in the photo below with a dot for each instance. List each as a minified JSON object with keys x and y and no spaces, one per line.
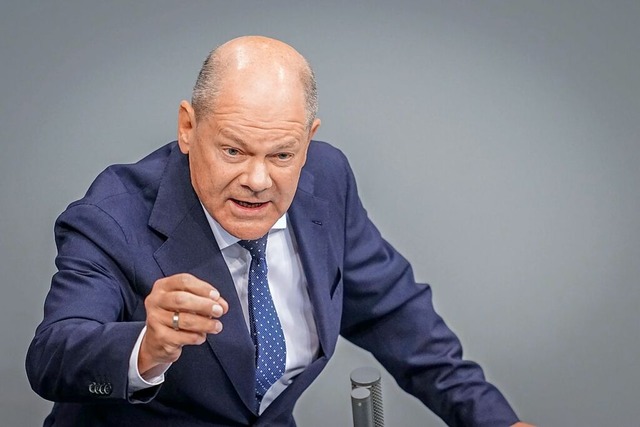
{"x":257,"y":248}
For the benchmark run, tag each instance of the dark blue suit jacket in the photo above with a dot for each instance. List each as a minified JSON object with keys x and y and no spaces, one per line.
{"x":138,"y":223}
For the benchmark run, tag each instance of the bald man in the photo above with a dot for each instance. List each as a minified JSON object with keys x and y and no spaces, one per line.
{"x":168,"y":308}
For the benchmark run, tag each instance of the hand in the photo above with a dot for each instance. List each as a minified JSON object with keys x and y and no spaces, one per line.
{"x":198,"y":305}
{"x":521,"y":424}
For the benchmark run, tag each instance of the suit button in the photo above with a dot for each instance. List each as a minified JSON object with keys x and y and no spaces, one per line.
{"x":102,"y":389}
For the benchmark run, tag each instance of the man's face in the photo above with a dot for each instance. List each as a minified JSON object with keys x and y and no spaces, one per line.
{"x":246,"y":156}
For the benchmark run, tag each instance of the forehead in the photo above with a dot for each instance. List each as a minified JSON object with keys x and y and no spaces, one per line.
{"x":253,"y":111}
{"x":243,"y":119}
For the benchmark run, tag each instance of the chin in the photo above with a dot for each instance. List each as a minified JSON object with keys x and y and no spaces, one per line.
{"x":249,"y":231}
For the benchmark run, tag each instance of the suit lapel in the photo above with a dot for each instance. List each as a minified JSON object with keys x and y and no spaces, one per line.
{"x":309,"y":218}
{"x":191,"y":248}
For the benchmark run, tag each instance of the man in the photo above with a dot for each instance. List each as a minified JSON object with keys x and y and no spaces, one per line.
{"x":168,"y":308}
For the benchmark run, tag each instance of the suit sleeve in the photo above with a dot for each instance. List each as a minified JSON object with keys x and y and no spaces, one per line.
{"x":387,"y":313}
{"x":81,"y":350}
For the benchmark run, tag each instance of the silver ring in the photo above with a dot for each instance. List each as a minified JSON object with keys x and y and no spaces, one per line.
{"x":176,"y":321}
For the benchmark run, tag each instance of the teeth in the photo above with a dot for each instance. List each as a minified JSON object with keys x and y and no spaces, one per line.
{"x":248,"y":205}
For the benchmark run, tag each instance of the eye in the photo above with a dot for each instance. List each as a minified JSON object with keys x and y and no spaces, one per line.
{"x":284,"y":156}
{"x":232,"y":151}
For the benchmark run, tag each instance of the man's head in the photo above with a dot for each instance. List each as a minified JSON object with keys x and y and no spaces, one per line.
{"x":248,"y":131}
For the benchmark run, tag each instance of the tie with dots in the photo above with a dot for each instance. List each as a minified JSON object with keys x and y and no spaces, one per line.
{"x":266,"y":331}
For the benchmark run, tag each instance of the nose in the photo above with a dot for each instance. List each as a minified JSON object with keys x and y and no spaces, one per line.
{"x":256,"y":177}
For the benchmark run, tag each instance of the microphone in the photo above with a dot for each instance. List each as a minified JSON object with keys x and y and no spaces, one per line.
{"x":363,"y":380}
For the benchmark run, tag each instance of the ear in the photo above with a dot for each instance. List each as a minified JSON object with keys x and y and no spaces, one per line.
{"x":314,"y":127}
{"x":186,"y":126}
{"x":312,"y":131}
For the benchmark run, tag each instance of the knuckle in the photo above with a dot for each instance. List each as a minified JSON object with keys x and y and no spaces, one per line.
{"x":150,"y":300}
{"x":186,"y":322}
{"x":159,"y":285}
{"x":185,"y":278}
{"x":179,"y":299}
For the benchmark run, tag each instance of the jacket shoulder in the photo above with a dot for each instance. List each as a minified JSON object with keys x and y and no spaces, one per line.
{"x":125,"y":193}
{"x":126,"y":179}
{"x":323,"y":156}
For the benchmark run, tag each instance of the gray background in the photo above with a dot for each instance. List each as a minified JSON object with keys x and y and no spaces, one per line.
{"x":495,"y":143}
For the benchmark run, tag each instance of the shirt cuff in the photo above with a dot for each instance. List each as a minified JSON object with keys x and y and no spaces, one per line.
{"x":136,"y":382}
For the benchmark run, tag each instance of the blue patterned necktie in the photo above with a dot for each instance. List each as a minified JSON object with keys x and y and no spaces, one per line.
{"x":266,"y":331}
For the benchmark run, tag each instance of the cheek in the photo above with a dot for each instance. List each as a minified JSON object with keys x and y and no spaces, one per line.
{"x":209,"y":182}
{"x":287,"y":183}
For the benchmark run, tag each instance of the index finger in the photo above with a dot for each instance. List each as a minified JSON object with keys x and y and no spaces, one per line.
{"x":188,"y":283}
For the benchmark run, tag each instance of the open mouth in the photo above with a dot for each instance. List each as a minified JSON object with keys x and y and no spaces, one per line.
{"x":247,"y":204}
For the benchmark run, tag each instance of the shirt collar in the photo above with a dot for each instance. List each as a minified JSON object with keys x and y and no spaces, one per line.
{"x":225,"y":239}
